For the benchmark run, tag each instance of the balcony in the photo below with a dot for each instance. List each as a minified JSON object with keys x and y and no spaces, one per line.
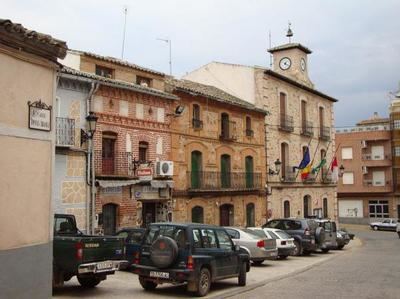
{"x":288,"y":175}
{"x":311,"y":179}
{"x":197,"y":123}
{"x":286,"y":123}
{"x":65,"y":132}
{"x":376,"y":160}
{"x":204,"y":181}
{"x":228,"y":132}
{"x":249,"y":133}
{"x":325,"y":133}
{"x":307,"y":129}
{"x":326,"y":176}
{"x":377,"y":186}
{"x":116,"y":164}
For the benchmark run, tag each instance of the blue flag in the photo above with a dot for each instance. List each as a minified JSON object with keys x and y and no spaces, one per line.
{"x":306,"y":159}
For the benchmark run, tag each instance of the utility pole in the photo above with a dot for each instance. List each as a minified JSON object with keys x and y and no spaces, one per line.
{"x":168,"y":41}
{"x":123,"y":37}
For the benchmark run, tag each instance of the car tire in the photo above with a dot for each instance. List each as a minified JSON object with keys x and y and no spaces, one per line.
{"x":89,"y":282}
{"x":325,"y":250}
{"x":298,"y":250}
{"x":340,"y":247}
{"x":258,"y":263}
{"x":146,"y":284}
{"x":242,"y":275}
{"x":203,"y":283}
{"x":283,"y":257}
{"x":306,"y":252}
{"x":375,"y":228}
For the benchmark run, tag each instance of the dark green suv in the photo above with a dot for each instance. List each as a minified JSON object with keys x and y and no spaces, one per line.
{"x":198,"y":254}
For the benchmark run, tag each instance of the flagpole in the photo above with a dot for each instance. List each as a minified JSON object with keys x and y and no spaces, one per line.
{"x":319,"y":169}
{"x":334,"y":155}
{"x":308,"y":146}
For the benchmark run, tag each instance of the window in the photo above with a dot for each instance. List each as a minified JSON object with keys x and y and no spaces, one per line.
{"x":123,"y":108}
{"x":378,"y":178}
{"x":397,"y":151}
{"x":286,"y":209}
{"x":307,"y":206}
{"x":196,"y":173}
{"x":208,"y":238}
{"x":378,"y":209}
{"x":303,"y":113}
{"x":249,"y":167}
{"x":143,"y":150}
{"x":139,"y":111}
{"x":348,"y":178}
{"x":198,"y":214}
{"x":224,"y":240}
{"x":249,"y":131}
{"x":284,"y":159}
{"x":347,"y":153}
{"x":196,"y":120}
{"x":396,"y":124}
{"x":104,"y":71}
{"x":377,"y":152}
{"x":250,"y":217}
{"x":225,"y":171}
{"x":225,"y":126}
{"x":143,"y":81}
{"x":233,"y":233}
{"x":197,"y":238}
{"x":325,"y":206}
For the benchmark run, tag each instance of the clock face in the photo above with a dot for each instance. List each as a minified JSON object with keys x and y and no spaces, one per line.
{"x":303,"y":64}
{"x":285,"y":63}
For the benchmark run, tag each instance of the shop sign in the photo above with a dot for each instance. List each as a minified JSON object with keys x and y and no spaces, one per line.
{"x":145,"y":174}
{"x":39,"y":116}
{"x":146,"y":192}
{"x":112,"y":190}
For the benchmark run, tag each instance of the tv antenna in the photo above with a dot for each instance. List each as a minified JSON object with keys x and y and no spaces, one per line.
{"x":168,"y":41}
{"x":123,"y":37}
{"x":289,"y":33}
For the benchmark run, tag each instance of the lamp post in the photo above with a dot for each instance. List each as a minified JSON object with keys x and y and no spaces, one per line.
{"x":341,"y":170}
{"x":277,"y":170}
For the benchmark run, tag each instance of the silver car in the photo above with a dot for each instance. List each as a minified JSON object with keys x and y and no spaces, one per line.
{"x":387,"y":224}
{"x":258,"y":248}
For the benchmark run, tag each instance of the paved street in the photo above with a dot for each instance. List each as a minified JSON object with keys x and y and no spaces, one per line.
{"x":367,"y":269}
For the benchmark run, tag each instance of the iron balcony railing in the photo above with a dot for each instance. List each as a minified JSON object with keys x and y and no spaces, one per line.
{"x":228,"y":131}
{"x":288,"y":175}
{"x":310,"y":179}
{"x":197,"y":123}
{"x":286,"y":123}
{"x":249,"y":133}
{"x":326,"y":176}
{"x":65,"y":131}
{"x":307,"y":128}
{"x":113,"y":164}
{"x":325,"y":133}
{"x":215,"y":181}
{"x":375,"y":157}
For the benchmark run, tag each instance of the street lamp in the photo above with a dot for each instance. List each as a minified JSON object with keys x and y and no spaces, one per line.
{"x":277,"y":168}
{"x":91,"y":120}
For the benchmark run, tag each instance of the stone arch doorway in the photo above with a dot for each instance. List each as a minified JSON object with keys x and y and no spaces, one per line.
{"x":226,"y":215}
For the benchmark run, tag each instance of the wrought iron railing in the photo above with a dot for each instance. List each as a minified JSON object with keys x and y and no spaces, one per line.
{"x":307,"y":128}
{"x":113,"y":164}
{"x":65,"y":131}
{"x":286,"y":123}
{"x":289,"y":174}
{"x":326,"y":176}
{"x":249,"y":133}
{"x":228,"y":132}
{"x":197,"y":123}
{"x":214,"y":181}
{"x":324,"y":133}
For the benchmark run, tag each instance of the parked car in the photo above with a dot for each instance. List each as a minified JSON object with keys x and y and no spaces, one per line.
{"x":342,"y":239}
{"x":306,"y":233}
{"x":330,"y":235}
{"x":258,"y":247}
{"x":387,"y":224}
{"x":284,"y":242}
{"x":90,"y":258}
{"x":398,"y":229}
{"x":133,"y":238}
{"x":198,"y":254}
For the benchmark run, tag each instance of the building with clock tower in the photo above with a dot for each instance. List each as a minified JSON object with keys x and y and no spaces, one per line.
{"x":299,"y":116}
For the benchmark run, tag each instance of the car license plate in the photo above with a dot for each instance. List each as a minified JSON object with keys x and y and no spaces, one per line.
{"x":104,"y":265}
{"x":159,"y":274}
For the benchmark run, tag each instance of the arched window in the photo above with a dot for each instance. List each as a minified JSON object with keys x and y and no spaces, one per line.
{"x":225,"y":171}
{"x":307,"y":206}
{"x":143,"y":151}
{"x":325,"y":206}
{"x":196,"y":120}
{"x":196,"y":173}
{"x":198,"y":214}
{"x":250,"y":215}
{"x":249,"y":167}
{"x":226,"y":215}
{"x":286,"y":209}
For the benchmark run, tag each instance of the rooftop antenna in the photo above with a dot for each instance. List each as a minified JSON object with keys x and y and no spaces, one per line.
{"x":270,"y":46}
{"x":289,"y":33}
{"x":168,"y":41}
{"x":123,"y":37}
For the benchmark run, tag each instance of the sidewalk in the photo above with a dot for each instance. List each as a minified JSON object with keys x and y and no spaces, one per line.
{"x":126,"y":285}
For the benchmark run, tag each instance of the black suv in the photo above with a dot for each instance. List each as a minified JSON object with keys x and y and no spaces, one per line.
{"x":306,"y":233}
{"x":188,"y":252}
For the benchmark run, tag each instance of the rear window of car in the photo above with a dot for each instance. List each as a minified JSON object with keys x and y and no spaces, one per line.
{"x":252,"y":234}
{"x":282,"y":234}
{"x":136,"y":237}
{"x":259,"y":232}
{"x":174,"y":232}
{"x":273,"y":235}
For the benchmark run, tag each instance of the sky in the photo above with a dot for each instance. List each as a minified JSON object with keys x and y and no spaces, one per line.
{"x":355,"y":44}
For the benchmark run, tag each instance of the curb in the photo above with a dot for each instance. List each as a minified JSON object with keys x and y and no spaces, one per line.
{"x":245,"y":289}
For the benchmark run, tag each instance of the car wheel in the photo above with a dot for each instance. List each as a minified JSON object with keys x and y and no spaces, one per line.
{"x":297,"y":250}
{"x":258,"y":263}
{"x":340,"y":247}
{"x":283,"y":257}
{"x":242,"y":275}
{"x":147,"y":285}
{"x":89,"y":282}
{"x":203,"y":283}
{"x":376,"y":228}
{"x":325,"y":250}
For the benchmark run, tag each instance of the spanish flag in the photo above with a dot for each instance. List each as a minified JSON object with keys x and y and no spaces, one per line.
{"x":305,"y":171}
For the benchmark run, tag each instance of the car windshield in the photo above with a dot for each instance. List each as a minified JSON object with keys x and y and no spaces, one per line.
{"x":174,"y":232}
{"x":259,"y":232}
{"x":253,"y":234}
{"x":282,"y":234}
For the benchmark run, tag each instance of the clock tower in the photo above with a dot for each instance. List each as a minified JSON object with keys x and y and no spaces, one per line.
{"x":290,"y":60}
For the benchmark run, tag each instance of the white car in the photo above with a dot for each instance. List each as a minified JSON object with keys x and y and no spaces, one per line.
{"x":398,"y":229}
{"x":387,"y":224}
{"x":284,"y":242}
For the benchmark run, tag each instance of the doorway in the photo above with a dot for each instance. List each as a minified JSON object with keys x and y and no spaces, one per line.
{"x":226,"y":215}
{"x":108,"y":153}
{"x":148,"y":213}
{"x":109,"y":218}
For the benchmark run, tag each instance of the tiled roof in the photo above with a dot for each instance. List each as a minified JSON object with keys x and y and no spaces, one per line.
{"x":290,"y":46}
{"x":373,"y":121}
{"x":118,"y":83}
{"x":213,"y":93}
{"x":30,"y":40}
{"x":118,"y":61}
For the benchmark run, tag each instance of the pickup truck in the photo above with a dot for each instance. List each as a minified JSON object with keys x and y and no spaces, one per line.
{"x":90,"y":258}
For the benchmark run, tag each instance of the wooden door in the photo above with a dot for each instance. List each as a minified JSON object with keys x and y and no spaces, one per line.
{"x":225,"y":171}
{"x":226,"y":215}
{"x":109,"y":219}
{"x":196,"y":173}
{"x":148,"y":213}
{"x":249,"y":172}
{"x":108,"y":155}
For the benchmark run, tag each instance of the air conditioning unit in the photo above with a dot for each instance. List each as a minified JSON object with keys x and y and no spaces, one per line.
{"x":363,"y":144}
{"x":364,"y":170}
{"x":165,"y":168}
